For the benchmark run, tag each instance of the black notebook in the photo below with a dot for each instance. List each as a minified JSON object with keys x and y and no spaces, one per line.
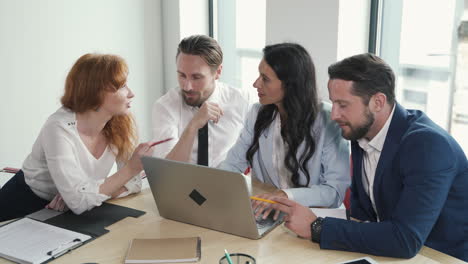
{"x":47,"y":234}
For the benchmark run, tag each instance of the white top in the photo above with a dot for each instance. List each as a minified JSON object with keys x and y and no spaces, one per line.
{"x":171,"y":115}
{"x":60,"y":163}
{"x":279,"y":153}
{"x":372,"y":150}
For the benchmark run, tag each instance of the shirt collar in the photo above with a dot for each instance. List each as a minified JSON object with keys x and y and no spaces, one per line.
{"x":378,"y":141}
{"x":214,"y":97}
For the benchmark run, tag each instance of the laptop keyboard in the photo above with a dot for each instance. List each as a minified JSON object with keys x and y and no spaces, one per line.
{"x":261,"y":223}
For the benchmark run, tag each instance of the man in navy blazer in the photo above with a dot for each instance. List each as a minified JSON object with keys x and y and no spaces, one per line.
{"x":410,"y":177}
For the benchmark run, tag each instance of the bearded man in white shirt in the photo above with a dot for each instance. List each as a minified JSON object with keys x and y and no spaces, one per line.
{"x":201,"y":109}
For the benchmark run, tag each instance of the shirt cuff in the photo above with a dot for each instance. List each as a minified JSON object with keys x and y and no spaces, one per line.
{"x":289,"y":194}
{"x":92,"y":191}
{"x":133,"y":185}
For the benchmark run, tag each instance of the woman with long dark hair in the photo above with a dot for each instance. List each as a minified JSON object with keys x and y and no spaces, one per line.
{"x":78,"y":145}
{"x":288,"y":139}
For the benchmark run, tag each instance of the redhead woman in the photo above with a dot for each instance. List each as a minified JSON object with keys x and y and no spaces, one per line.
{"x":72,"y":157}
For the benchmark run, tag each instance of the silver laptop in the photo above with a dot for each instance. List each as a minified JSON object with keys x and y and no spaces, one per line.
{"x":206,"y":197}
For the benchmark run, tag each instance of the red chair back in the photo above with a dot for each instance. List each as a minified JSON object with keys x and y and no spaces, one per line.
{"x":347,"y":199}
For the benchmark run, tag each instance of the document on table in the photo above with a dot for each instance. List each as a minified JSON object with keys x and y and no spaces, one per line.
{"x":30,"y":241}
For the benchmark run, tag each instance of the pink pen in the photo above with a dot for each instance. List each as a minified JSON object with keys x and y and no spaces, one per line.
{"x":159,"y":142}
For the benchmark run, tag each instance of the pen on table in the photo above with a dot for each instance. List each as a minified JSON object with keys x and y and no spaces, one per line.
{"x":159,"y":142}
{"x":62,"y":249}
{"x":263,"y":200}
{"x":228,"y":257}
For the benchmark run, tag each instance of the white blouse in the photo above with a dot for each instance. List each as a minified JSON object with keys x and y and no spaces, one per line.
{"x":279,"y":154}
{"x":60,"y":163}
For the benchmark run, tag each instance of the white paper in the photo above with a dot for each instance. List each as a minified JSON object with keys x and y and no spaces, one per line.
{"x":29,"y":241}
{"x":327,"y":212}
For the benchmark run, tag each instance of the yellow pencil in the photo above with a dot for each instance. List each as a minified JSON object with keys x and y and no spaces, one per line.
{"x":263,"y":200}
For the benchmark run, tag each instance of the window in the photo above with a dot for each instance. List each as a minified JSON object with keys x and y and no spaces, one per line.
{"x":426,"y":43}
{"x":242,"y":50}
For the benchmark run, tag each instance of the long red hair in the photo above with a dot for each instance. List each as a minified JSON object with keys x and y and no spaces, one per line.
{"x":90,"y":78}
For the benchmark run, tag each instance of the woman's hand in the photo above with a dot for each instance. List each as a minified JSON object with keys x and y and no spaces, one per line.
{"x":143,"y":149}
{"x":57,"y":204}
{"x":263,"y":209}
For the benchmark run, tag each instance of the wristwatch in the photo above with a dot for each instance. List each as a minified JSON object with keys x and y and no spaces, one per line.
{"x":316,"y":229}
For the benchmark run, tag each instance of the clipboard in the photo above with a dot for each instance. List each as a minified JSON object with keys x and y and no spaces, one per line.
{"x":46,"y":234}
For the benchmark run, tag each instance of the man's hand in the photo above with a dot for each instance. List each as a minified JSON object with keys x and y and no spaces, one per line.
{"x":298,"y":218}
{"x":183,"y":149}
{"x":208,"y":111}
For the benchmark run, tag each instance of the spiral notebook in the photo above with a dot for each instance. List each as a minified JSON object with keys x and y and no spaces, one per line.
{"x":164,"y":250}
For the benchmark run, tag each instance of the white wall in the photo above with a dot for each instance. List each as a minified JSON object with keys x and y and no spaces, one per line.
{"x":193,"y":17}
{"x":40,"y":41}
{"x":171,"y":39}
{"x":315,"y":24}
{"x":180,"y":19}
{"x":311,"y":23}
{"x":353,"y":27}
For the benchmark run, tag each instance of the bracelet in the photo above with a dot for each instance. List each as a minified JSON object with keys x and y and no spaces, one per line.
{"x":316,"y":229}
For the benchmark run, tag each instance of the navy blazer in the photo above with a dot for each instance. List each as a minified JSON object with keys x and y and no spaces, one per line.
{"x":421,"y":194}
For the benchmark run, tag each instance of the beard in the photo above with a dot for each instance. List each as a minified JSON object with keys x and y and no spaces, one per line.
{"x":358,"y":132}
{"x":192,"y":100}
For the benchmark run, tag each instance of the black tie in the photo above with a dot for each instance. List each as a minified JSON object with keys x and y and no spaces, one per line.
{"x":203,"y":146}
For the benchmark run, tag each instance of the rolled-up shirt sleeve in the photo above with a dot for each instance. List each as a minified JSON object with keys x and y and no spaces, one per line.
{"x":133,"y":185}
{"x":80,"y":192}
{"x":164,"y":126}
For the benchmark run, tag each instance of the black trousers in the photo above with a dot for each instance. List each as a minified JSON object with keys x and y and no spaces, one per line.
{"x":17,"y":199}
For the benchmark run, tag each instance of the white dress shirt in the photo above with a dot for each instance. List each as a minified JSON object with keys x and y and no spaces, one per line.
{"x":61,"y":163}
{"x":372,"y":150}
{"x":171,"y":115}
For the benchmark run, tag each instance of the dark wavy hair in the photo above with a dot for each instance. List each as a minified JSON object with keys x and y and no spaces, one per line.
{"x":294,"y":67}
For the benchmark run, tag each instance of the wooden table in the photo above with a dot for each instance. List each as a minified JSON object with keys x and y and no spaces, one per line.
{"x":279,"y":246}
